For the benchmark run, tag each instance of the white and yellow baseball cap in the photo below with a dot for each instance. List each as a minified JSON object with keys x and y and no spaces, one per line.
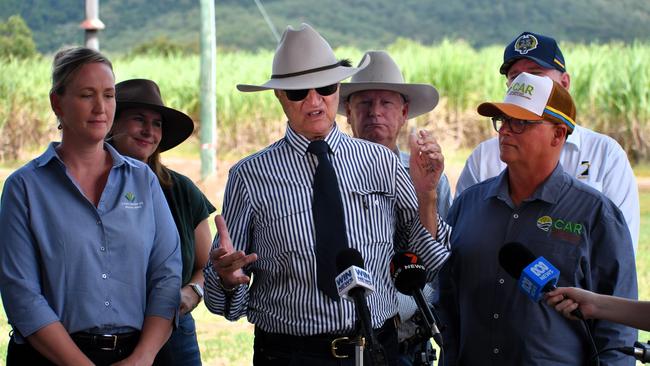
{"x":534,"y":98}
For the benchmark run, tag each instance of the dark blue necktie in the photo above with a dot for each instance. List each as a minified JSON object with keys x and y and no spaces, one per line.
{"x":329,"y":219}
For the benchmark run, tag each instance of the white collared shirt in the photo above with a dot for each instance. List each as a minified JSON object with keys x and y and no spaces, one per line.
{"x":591,"y":157}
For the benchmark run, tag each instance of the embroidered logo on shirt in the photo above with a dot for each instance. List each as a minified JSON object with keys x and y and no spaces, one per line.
{"x":561,"y":229}
{"x":545,"y":223}
{"x":584,"y":170}
{"x":131,"y":204}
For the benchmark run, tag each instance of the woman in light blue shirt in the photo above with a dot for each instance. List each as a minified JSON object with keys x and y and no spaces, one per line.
{"x":89,"y":253}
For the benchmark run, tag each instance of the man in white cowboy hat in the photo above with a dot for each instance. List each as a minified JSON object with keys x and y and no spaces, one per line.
{"x":378,"y":103}
{"x":594,"y":158}
{"x":550,"y":213}
{"x":316,"y":183}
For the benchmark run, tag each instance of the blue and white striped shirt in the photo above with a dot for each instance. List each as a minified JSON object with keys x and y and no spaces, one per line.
{"x":268,"y":209}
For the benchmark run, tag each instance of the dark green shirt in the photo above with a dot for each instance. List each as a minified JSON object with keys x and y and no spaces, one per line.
{"x":189,"y":206}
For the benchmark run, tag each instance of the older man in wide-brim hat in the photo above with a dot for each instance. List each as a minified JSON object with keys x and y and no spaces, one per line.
{"x":378,"y":103}
{"x":313,"y":201}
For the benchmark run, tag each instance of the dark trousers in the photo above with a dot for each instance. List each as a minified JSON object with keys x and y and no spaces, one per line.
{"x":25,"y":354}
{"x":272,"y":349}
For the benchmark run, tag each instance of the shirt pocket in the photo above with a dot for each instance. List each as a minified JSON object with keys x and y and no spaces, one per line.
{"x":564,"y":256}
{"x":372,"y":217}
{"x":283,"y":224}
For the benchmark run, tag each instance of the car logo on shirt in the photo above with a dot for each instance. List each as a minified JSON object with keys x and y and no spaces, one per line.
{"x":561,"y":228}
{"x":545,"y":223}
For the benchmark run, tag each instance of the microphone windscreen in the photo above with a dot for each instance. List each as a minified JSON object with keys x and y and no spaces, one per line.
{"x":347,"y":258}
{"x":408,"y":272}
{"x":514,"y":257}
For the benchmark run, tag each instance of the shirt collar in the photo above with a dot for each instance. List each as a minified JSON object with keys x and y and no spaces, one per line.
{"x":404,"y":157}
{"x":575,"y":137}
{"x":300,"y":143}
{"x":548,"y":191}
{"x":51,"y":154}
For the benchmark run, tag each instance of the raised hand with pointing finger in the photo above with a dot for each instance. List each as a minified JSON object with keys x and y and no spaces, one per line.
{"x":227,"y":262}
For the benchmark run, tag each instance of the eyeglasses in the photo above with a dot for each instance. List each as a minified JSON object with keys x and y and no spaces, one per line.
{"x":515,"y":125}
{"x":300,"y":94}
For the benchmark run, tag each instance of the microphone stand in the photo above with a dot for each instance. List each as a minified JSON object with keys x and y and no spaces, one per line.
{"x":428,"y":317}
{"x":368,"y":337}
{"x":359,"y":344}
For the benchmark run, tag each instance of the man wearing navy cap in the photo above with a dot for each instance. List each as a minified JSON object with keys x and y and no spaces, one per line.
{"x":591,"y":157}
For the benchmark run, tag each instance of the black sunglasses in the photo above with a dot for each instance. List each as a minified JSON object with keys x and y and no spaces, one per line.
{"x":300,"y":94}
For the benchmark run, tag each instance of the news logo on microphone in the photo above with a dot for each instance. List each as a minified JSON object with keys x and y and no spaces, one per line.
{"x":537,"y":277}
{"x":353,"y":277}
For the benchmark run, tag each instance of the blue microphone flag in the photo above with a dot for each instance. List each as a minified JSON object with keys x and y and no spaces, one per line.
{"x":538,"y":277}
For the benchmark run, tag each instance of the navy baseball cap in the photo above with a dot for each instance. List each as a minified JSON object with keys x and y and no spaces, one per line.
{"x":543,"y":50}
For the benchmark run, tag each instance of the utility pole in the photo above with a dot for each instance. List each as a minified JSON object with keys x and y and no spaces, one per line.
{"x":208,"y":82}
{"x":92,"y":25}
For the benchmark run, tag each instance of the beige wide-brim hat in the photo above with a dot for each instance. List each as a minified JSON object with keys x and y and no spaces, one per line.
{"x":382,"y":73}
{"x":304,"y":60}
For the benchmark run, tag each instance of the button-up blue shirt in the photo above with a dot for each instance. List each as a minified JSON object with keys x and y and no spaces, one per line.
{"x":98,"y":269}
{"x":576,"y":228}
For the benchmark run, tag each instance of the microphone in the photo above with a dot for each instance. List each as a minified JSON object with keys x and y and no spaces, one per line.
{"x":410,"y":277}
{"x":535,"y":276}
{"x":640,"y":351}
{"x":354,"y":283}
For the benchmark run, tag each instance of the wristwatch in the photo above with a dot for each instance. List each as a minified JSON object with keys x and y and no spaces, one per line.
{"x":197,"y":288}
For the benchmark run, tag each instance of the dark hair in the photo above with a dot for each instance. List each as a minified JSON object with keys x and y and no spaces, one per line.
{"x":68,"y":61}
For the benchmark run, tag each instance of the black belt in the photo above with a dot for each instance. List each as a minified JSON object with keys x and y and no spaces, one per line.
{"x":328,"y":345}
{"x":105,"y":342}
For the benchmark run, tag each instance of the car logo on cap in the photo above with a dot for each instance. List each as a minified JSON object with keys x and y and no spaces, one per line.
{"x":525,"y":43}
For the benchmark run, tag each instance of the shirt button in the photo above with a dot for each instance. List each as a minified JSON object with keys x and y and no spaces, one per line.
{"x":376,"y":202}
{"x":516,"y":216}
{"x":496,"y":316}
{"x":99,"y":222}
{"x":106,"y":303}
{"x":501,"y":281}
{"x":103,"y":249}
{"x":496,"y":351}
{"x":104,"y":275}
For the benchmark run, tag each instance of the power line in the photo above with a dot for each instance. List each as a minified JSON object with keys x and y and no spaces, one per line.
{"x":268,"y":20}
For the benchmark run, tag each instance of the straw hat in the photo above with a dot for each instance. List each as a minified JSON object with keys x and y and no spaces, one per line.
{"x":382,"y":73}
{"x":303,"y":60}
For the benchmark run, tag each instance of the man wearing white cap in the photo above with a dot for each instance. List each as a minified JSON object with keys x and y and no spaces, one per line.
{"x":378,"y":103}
{"x":315,"y":195}
{"x":594,"y":158}
{"x":535,"y":203}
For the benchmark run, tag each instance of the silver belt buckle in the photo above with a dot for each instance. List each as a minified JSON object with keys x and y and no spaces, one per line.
{"x":114,"y":336}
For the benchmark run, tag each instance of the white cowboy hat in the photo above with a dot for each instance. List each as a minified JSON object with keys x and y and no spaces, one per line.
{"x":383,"y":74}
{"x":304,"y":60}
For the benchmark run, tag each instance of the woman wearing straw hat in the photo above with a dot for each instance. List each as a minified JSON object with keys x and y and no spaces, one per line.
{"x":286,"y":233}
{"x":144,"y":127}
{"x":89,"y":257}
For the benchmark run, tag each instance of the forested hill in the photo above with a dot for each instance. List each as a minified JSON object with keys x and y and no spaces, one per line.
{"x":361,"y":23}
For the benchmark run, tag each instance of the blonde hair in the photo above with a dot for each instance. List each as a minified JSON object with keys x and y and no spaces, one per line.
{"x":68,"y":61}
